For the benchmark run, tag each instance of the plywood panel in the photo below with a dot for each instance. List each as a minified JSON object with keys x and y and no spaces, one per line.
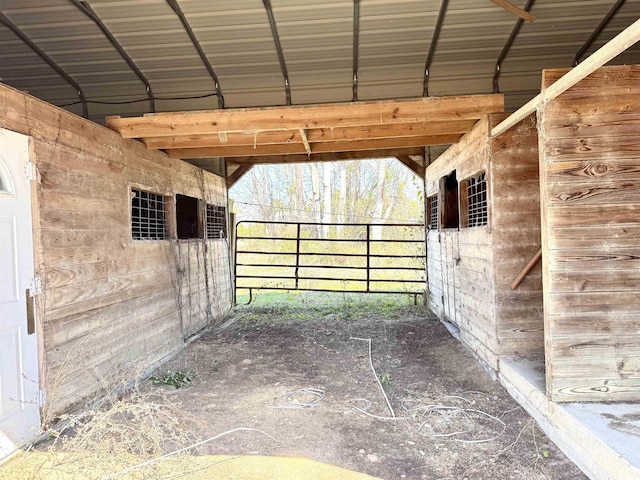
{"x":591,"y":199}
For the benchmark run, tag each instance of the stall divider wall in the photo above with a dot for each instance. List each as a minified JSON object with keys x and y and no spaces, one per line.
{"x":111,"y":307}
{"x":590,"y":190}
{"x":470,"y":269}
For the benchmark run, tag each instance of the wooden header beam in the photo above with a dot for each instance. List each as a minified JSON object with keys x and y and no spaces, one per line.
{"x":325,"y":147}
{"x":326,"y":132}
{"x":308,"y":117}
{"x":329,"y":157}
{"x":617,"y":45}
{"x":317,"y":135}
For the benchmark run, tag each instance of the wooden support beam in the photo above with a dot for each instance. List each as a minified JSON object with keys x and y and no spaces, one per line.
{"x":420,"y":110}
{"x":329,"y":157}
{"x":412,"y":165}
{"x":237,"y":151}
{"x":390,"y":131}
{"x":223,"y":139}
{"x":324,"y":147}
{"x":312,"y":136}
{"x":238,"y":173}
{"x":519,"y":12}
{"x":613,"y":48}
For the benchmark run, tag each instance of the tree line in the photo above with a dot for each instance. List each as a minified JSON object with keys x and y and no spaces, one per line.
{"x":360,"y":191}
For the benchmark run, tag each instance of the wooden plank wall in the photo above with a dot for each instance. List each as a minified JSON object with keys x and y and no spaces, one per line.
{"x":590,"y":184}
{"x":471,"y":269}
{"x":111,"y":306}
{"x":460,"y":262}
{"x":515,"y":223}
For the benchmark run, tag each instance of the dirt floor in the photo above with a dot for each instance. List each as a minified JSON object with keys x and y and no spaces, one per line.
{"x":453,"y":421}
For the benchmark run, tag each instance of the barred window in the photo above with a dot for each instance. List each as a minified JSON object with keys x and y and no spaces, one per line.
{"x":216,"y":221}
{"x":148,"y":216}
{"x":432,"y":212}
{"x":475,"y":200}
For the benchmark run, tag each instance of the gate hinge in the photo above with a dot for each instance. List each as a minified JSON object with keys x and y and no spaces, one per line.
{"x":36,"y":285}
{"x":42,"y":397}
{"x":30,"y":170}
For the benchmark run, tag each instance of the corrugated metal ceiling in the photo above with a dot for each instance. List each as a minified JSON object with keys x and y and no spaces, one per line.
{"x":317,"y":43}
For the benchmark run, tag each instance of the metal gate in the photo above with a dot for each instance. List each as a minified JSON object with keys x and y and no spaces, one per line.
{"x":330,"y":257}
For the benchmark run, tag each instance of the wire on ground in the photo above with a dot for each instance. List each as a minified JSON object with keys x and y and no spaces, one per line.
{"x":311,"y":397}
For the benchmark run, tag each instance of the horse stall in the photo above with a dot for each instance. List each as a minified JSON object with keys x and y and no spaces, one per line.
{"x":532,"y":261}
{"x":130,"y":253}
{"x":483,"y":227}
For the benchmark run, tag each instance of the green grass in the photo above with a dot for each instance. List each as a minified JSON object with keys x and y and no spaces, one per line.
{"x":301,"y":306}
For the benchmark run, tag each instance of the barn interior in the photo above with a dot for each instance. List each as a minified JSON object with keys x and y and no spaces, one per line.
{"x":522,"y":118}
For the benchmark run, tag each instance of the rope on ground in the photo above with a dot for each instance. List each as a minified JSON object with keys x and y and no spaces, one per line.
{"x":450,"y":417}
{"x":384,"y":394}
{"x":312,"y":396}
{"x":445,"y":420}
{"x":175,"y":452}
{"x":368,"y":404}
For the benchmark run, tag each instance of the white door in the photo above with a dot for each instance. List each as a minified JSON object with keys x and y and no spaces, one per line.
{"x":19,"y":388}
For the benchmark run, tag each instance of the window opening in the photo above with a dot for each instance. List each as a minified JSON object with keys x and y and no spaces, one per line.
{"x":432,"y":213}
{"x":476,"y":200}
{"x":148,"y":216}
{"x":449,"y":214}
{"x":6,"y":186}
{"x":216,"y":221}
{"x":188,"y":223}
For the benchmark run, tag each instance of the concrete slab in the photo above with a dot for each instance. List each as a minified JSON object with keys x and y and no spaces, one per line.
{"x":602,"y":439}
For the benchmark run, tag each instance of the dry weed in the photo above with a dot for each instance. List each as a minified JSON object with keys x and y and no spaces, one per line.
{"x":119,"y":430}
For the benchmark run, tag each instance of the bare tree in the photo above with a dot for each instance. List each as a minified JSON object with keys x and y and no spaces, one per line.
{"x":326,"y":198}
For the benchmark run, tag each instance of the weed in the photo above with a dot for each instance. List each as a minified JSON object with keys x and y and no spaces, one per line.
{"x":176,"y":379}
{"x":386,"y":380}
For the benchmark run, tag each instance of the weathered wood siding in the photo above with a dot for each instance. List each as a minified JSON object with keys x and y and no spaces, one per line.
{"x":471,"y":269}
{"x":459,"y":261}
{"x":111,"y":306}
{"x":515,"y":240}
{"x":590,"y":179}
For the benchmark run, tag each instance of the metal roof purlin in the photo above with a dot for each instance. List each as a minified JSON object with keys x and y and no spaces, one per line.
{"x":203,"y":56}
{"x":14,"y":28}
{"x":85,"y":8}
{"x":433,"y":45}
{"x":276,"y":40}
{"x":596,"y":33}
{"x":356,"y":35}
{"x":507,"y":47}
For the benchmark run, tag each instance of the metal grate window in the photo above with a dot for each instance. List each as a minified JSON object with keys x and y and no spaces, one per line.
{"x":216,"y":221}
{"x":477,"y":200}
{"x":433,"y":212}
{"x":148,"y":216}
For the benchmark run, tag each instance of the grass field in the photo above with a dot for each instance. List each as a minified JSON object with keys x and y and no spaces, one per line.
{"x":394,"y":263}
{"x":341,"y":306}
